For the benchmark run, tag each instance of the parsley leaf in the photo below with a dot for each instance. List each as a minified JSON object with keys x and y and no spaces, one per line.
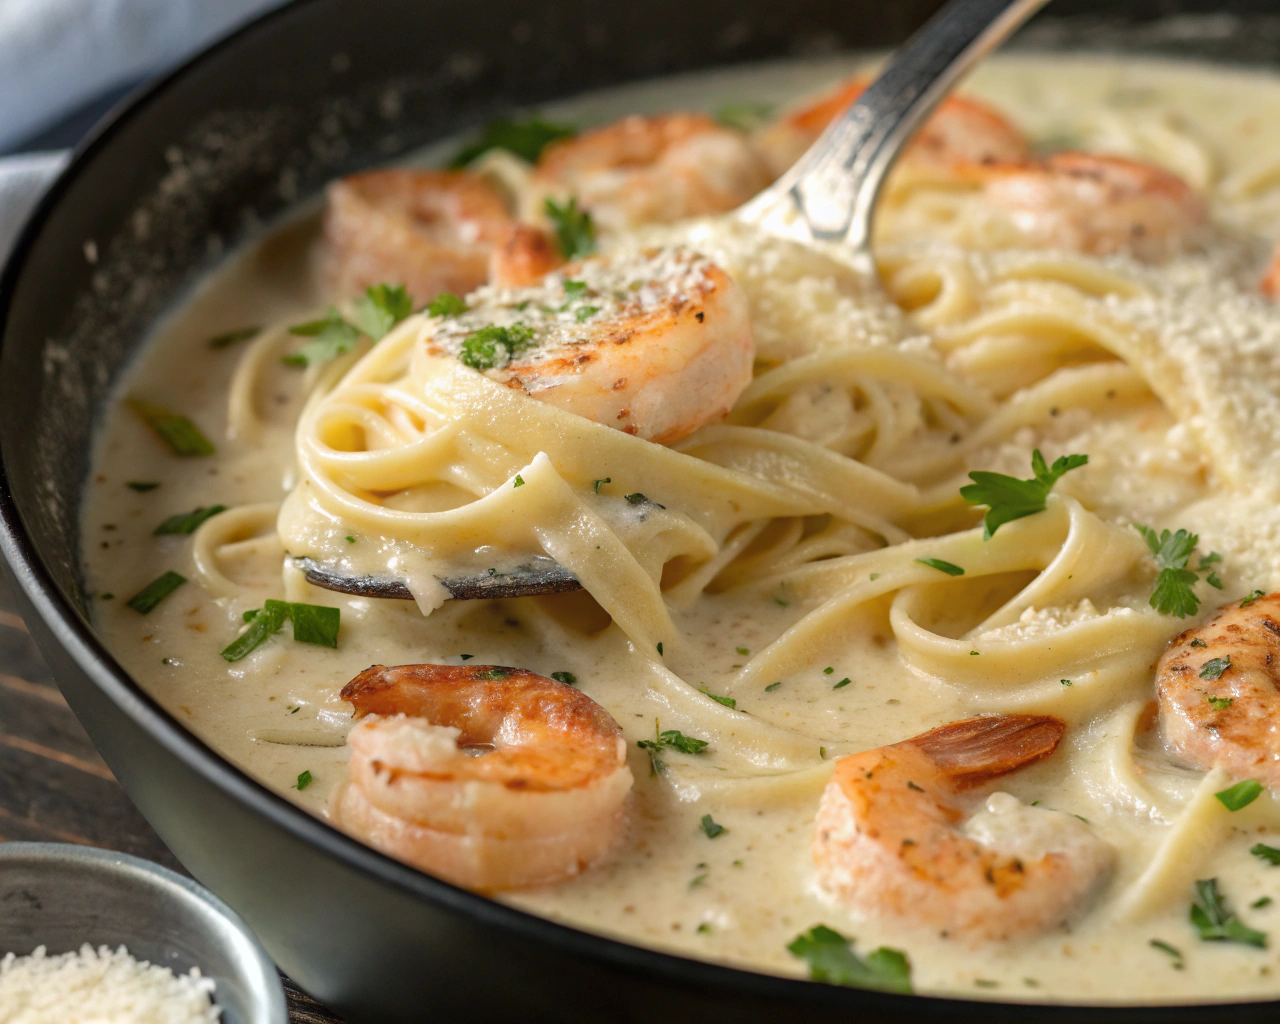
{"x":492,"y":347}
{"x":831,"y":958}
{"x":674,"y":739}
{"x":1172,"y":594}
{"x":526,"y":139}
{"x":728,"y":702}
{"x":232,"y":337}
{"x":304,"y":779}
{"x":380,"y":308}
{"x":446,"y":304}
{"x":1215,"y":922}
{"x":575,"y":230}
{"x":315,"y":624}
{"x":1251,"y":598}
{"x":937,"y":563}
{"x":1214,"y":667}
{"x":187,"y":522}
{"x":1242,"y":794}
{"x":711,"y":827}
{"x":312,"y":624}
{"x":1220,"y":703}
{"x":1007,"y":498}
{"x":568,"y":678}
{"x":264,"y":624}
{"x":331,"y":336}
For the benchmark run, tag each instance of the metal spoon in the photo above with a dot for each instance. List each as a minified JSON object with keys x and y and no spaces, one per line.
{"x":828,"y":196}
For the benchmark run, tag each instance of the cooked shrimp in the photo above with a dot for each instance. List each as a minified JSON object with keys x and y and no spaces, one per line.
{"x":1218,"y":689}
{"x":1092,"y":203}
{"x":652,"y":170}
{"x":431,"y":231}
{"x":1270,"y":283}
{"x":961,"y":131}
{"x":655,"y":344}
{"x":526,"y":256}
{"x":888,"y":839}
{"x":490,"y":777}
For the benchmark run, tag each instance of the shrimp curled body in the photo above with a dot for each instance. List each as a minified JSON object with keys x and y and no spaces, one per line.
{"x":654,"y":344}
{"x":544,"y":798}
{"x":889,"y":839}
{"x":1224,"y":716}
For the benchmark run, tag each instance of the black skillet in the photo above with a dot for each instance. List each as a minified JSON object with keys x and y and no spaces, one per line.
{"x":261,"y":121}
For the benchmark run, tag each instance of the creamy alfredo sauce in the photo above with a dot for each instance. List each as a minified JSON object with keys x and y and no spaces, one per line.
{"x":742,"y":896}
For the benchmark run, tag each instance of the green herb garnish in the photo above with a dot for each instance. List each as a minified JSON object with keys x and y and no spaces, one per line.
{"x":188,"y":522}
{"x":565,"y":677}
{"x":595,"y":484}
{"x":304,"y":780}
{"x":574,"y":229}
{"x":831,"y":958}
{"x":181,"y":435}
{"x":1242,"y":794}
{"x":728,"y":702}
{"x":1214,"y":667}
{"x":156,"y":591}
{"x":1173,"y":951}
{"x":584,"y":313}
{"x":674,"y":739}
{"x":1007,"y":498}
{"x":1197,"y":642}
{"x":446,"y":304}
{"x":1261,"y":901}
{"x":1213,"y":581}
{"x":141,"y":486}
{"x":312,"y":624}
{"x":232,"y":337}
{"x":380,"y":308}
{"x":331,"y":336}
{"x":1268,"y":853}
{"x":1220,"y":703}
{"x":772,"y":686}
{"x":526,"y":139}
{"x":315,"y":624}
{"x":1210,"y":916}
{"x":744,"y":651}
{"x":745,"y":117}
{"x":711,"y":827}
{"x":843,"y":682}
{"x":518,"y":482}
{"x":1251,"y":598}
{"x":941,"y":566}
{"x":1172,"y":594}
{"x":493,"y":347}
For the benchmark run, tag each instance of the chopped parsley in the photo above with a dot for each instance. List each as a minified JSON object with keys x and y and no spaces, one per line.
{"x":641,"y":499}
{"x":1268,"y":853}
{"x":331,"y":336}
{"x":1215,"y":923}
{"x":1173,"y":951}
{"x":595,"y":484}
{"x":526,"y":139}
{"x":1261,"y":901}
{"x":574,"y":229}
{"x":446,"y":304}
{"x":494,"y":672}
{"x":1219,"y":703}
{"x":304,"y":780}
{"x":584,"y":313}
{"x":493,"y":347}
{"x":674,"y":739}
{"x":831,"y":958}
{"x":188,"y":522}
{"x":941,"y":566}
{"x":518,"y":482}
{"x":659,"y":648}
{"x":1065,"y":682}
{"x":233,"y":337}
{"x":141,"y":486}
{"x":1214,"y":667}
{"x":745,"y":117}
{"x":156,"y":591}
{"x":380,"y":308}
{"x":728,"y":702}
{"x":1213,"y":581}
{"x":181,"y":435}
{"x":828,"y":670}
{"x":312,"y":624}
{"x":712,"y":828}
{"x":772,"y":686}
{"x":843,"y":682}
{"x":1007,"y":498}
{"x":1173,"y":593}
{"x":567,"y":678}
{"x":744,"y":651}
{"x":1197,"y":642}
{"x":1251,"y":598}
{"x":1242,"y":794}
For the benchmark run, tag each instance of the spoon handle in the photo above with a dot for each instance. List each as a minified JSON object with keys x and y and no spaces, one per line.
{"x":835,"y":184}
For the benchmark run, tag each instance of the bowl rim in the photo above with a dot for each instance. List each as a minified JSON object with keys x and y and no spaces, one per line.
{"x":75,"y":635}
{"x":259,"y":971}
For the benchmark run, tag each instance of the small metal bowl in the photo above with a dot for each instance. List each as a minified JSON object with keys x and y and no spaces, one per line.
{"x":62,"y":896}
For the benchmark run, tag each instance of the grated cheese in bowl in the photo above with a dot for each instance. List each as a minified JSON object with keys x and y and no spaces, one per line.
{"x":100,"y":987}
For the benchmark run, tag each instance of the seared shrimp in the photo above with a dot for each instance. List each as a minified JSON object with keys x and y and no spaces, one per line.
{"x":889,"y":839}
{"x":431,"y":231}
{"x":652,"y":170}
{"x":1270,"y":283}
{"x":525,"y":257}
{"x":1092,"y":203}
{"x":1217,"y":689}
{"x":655,"y":344}
{"x":961,"y":131}
{"x":489,"y":777}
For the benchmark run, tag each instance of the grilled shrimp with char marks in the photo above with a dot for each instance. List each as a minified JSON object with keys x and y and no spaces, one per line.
{"x":891,"y":837}
{"x":1218,"y":690}
{"x":653,"y":343}
{"x":489,"y":777}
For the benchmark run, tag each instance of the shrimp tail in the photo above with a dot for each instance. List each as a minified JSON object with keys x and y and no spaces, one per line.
{"x":975,"y":750}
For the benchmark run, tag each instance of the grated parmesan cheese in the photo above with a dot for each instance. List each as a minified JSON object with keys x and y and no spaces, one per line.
{"x":100,"y":987}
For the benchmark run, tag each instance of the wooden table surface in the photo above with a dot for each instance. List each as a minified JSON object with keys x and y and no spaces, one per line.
{"x":53,"y":785}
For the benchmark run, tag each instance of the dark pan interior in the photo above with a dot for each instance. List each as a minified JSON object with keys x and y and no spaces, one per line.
{"x":200,"y":163}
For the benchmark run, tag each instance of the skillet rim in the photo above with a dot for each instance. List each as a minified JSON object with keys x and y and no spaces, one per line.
{"x":74,"y":634}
